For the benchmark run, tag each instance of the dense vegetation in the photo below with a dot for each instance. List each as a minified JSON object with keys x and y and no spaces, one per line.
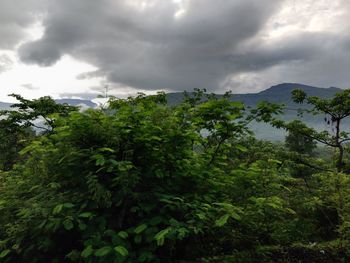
{"x":142,"y":181}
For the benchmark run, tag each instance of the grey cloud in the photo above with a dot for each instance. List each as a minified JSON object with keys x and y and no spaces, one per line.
{"x":16,"y":16}
{"x":42,"y":53}
{"x":5,"y":63}
{"x":29,"y":86}
{"x":90,"y":74}
{"x":215,"y":45}
{"x":320,"y":59}
{"x":151,"y":49}
{"x":260,"y":55}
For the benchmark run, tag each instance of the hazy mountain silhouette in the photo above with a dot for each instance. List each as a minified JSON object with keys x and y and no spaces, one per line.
{"x":73,"y":102}
{"x":280,"y":93}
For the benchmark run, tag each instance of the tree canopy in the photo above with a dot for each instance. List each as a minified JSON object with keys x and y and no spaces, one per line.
{"x":142,"y":181}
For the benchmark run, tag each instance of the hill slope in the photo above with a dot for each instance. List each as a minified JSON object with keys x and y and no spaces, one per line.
{"x":278,"y":94}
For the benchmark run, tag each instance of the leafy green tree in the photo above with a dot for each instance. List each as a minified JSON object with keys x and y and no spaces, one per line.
{"x":13,"y":139}
{"x":38,"y":113}
{"x":143,"y":181}
{"x":19,"y":126}
{"x":334,"y":209}
{"x":298,"y":142}
{"x":126,"y":185}
{"x":338,"y":108}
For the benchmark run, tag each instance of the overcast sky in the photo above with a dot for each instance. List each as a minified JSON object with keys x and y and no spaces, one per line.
{"x":69,"y":48}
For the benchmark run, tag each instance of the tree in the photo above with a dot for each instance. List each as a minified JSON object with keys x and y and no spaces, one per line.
{"x":337,"y":108}
{"x":37,"y":113}
{"x":119,"y":185}
{"x":13,"y":139}
{"x":27,"y":118}
{"x":143,"y":181}
{"x":298,"y":142}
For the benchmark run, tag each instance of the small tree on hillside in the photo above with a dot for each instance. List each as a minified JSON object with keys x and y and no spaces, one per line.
{"x":338,"y":108}
{"x":19,"y":126}
{"x":298,"y":142}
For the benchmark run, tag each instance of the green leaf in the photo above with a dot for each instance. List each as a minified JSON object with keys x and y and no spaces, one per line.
{"x":138,"y":239}
{"x":101,"y":252}
{"x":222,"y":220}
{"x":82,"y":226}
{"x":57,"y":209}
{"x":235,"y":215}
{"x":105,"y":149}
{"x":274,"y":161}
{"x":86,"y":215}
{"x":100,"y":160}
{"x":123,"y":234}
{"x":122,"y":251}
{"x":68,"y":205}
{"x":241,"y":148}
{"x":87,"y":252}
{"x":4,"y":253}
{"x":42,"y":224}
{"x":160,"y":236}
{"x":145,"y":256}
{"x":140,"y":228}
{"x":291,"y":211}
{"x":155,"y":221}
{"x":68,"y":224}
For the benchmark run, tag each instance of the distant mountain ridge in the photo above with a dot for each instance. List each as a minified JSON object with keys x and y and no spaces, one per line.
{"x":77,"y":102}
{"x":73,"y":102}
{"x":4,"y":105}
{"x":280,"y":93}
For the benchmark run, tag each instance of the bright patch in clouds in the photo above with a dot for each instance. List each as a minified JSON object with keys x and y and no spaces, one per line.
{"x":33,"y":81}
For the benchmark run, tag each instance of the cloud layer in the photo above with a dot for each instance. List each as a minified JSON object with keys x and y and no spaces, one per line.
{"x":16,"y":16}
{"x":243,"y":45}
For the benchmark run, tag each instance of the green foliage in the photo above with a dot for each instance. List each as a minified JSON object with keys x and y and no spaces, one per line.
{"x":16,"y":126}
{"x":335,"y":109}
{"x":142,"y":181}
{"x":298,"y":142}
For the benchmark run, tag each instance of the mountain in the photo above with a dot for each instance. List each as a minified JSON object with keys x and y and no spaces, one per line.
{"x":77,"y":102}
{"x":282,"y":94}
{"x":4,"y":105}
{"x":278,"y":94}
{"x":73,"y":102}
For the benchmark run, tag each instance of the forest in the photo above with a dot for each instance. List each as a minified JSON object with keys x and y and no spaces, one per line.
{"x":140,"y":180}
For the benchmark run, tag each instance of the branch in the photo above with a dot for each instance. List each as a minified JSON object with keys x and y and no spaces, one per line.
{"x":314,"y":167}
{"x":38,"y":127}
{"x":344,"y":140}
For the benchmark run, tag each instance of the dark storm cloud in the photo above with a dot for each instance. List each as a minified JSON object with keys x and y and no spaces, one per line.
{"x":302,"y":47}
{"x":319,"y":58}
{"x":15,"y":17}
{"x":209,"y":46}
{"x":150,"y":48}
